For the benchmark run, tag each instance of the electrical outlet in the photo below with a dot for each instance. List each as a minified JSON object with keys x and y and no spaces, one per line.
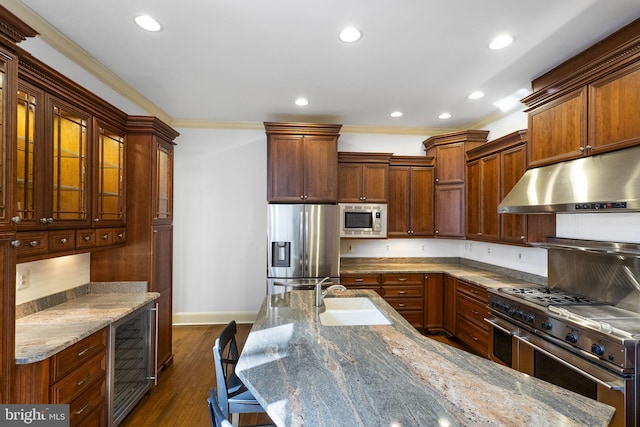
{"x":489,"y":251}
{"x":22,"y":279}
{"x":422,"y":248}
{"x":388,"y":248}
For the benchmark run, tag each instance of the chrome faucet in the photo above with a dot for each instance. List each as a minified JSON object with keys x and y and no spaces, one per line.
{"x":320,"y":294}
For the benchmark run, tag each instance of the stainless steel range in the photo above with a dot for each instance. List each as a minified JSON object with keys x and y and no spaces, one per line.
{"x":581,"y":332}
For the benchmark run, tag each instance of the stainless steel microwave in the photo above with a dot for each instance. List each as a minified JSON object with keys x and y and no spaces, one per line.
{"x":363,"y":220}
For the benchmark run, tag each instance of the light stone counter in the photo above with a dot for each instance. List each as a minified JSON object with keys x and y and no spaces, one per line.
{"x":486,"y":275}
{"x":308,"y":374}
{"x":45,"y":332}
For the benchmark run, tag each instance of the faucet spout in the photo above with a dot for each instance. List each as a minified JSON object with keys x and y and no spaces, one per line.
{"x":320,"y":294}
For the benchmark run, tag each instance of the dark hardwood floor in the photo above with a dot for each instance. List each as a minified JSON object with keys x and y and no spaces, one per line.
{"x":180,"y":399}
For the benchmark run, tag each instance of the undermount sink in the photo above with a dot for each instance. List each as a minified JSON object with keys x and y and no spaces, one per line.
{"x":352,"y":312}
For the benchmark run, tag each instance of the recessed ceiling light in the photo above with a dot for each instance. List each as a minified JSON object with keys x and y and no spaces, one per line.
{"x":148,"y":23}
{"x":501,"y":41}
{"x":476,"y":95}
{"x":444,"y":116}
{"x":350,"y":35}
{"x":396,"y":114}
{"x":302,"y":102}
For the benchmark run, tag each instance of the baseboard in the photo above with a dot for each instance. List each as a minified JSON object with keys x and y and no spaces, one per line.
{"x":207,"y":318}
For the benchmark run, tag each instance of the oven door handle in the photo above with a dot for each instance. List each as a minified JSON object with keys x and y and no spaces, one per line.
{"x":493,"y":323}
{"x":609,"y":386}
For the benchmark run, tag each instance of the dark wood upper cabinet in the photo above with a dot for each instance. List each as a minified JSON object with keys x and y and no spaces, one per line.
{"x":449,"y":152}
{"x":302,"y":162}
{"x":411,"y":197}
{"x":492,"y":171}
{"x":588,"y":104}
{"x":363,"y":177}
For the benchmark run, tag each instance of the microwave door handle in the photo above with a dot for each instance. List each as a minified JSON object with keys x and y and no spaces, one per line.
{"x":570,"y":366}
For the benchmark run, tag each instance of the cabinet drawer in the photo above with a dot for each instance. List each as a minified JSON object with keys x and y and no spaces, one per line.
{"x":62,"y":240}
{"x":360,"y":280}
{"x":97,"y":418}
{"x":78,"y":381}
{"x":477,"y":292}
{"x":87,"y":403}
{"x":71,"y":358}
{"x":119,"y":235}
{"x":85,"y":238}
{"x":402,"y":279}
{"x":33,"y":243}
{"x":104,"y":236}
{"x":416,"y":318}
{"x":475,"y":338}
{"x":400,"y":304}
{"x":403,"y":291}
{"x":472,"y":310}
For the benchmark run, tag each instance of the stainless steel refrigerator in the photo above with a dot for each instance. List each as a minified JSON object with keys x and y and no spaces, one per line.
{"x":303,"y":246}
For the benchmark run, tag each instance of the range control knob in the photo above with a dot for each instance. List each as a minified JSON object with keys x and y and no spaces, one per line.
{"x":597,"y":349}
{"x":572,"y":338}
{"x":546,"y":325}
{"x":528,"y":317}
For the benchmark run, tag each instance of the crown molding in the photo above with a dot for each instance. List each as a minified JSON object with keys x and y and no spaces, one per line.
{"x":75,"y":53}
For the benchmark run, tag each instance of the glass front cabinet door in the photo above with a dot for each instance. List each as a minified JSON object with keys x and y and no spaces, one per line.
{"x":163,"y":200}
{"x":109,"y":194}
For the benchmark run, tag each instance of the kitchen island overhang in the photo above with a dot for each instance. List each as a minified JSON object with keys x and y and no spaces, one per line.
{"x":307,"y":374}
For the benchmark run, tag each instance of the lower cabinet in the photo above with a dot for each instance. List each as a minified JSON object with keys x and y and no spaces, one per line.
{"x":405,"y":293}
{"x":471,"y":309}
{"x":75,"y":376}
{"x":449,"y":317}
{"x":416,"y":296}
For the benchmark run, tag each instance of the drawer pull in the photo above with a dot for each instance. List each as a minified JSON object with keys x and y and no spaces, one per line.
{"x":401,"y":305}
{"x":87,"y":238}
{"x":84,"y":408}
{"x":402,"y":292}
{"x":359,"y":280}
{"x":33,"y":243}
{"x":64,"y":240}
{"x":473,"y":337}
{"x":105,"y":236}
{"x":82,"y":381}
{"x":120,"y":235}
{"x":402,"y":279}
{"x":85,"y":351}
{"x":474,"y":312}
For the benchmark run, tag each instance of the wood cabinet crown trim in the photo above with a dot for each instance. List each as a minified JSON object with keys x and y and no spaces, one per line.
{"x":608,"y":55}
{"x":470,"y":135}
{"x":13,"y":29}
{"x":146,"y":124}
{"x":500,"y":144}
{"x":296,"y":128}
{"x":418,"y":161}
{"x":363,"y":157}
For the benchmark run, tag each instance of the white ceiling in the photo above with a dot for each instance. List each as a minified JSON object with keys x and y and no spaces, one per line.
{"x":248,"y":60}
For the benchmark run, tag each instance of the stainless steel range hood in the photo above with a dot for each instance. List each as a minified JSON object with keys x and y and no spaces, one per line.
{"x":607,"y":182}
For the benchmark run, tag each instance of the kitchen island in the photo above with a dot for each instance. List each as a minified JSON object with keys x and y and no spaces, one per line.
{"x":308,"y":374}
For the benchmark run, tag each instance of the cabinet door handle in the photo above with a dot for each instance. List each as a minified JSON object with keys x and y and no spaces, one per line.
{"x":15,"y":243}
{"x":96,"y":219}
{"x":581,"y":149}
{"x":588,"y":147}
{"x":83,"y":352}
{"x":84,"y":380}
{"x":16,"y":219}
{"x":84,"y":408}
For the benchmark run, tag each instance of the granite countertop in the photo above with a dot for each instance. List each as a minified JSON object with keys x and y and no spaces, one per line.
{"x":308,"y":374}
{"x":43,"y":333}
{"x":486,"y":275}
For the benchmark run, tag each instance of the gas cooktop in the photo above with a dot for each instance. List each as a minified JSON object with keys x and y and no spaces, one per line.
{"x":549,"y":296}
